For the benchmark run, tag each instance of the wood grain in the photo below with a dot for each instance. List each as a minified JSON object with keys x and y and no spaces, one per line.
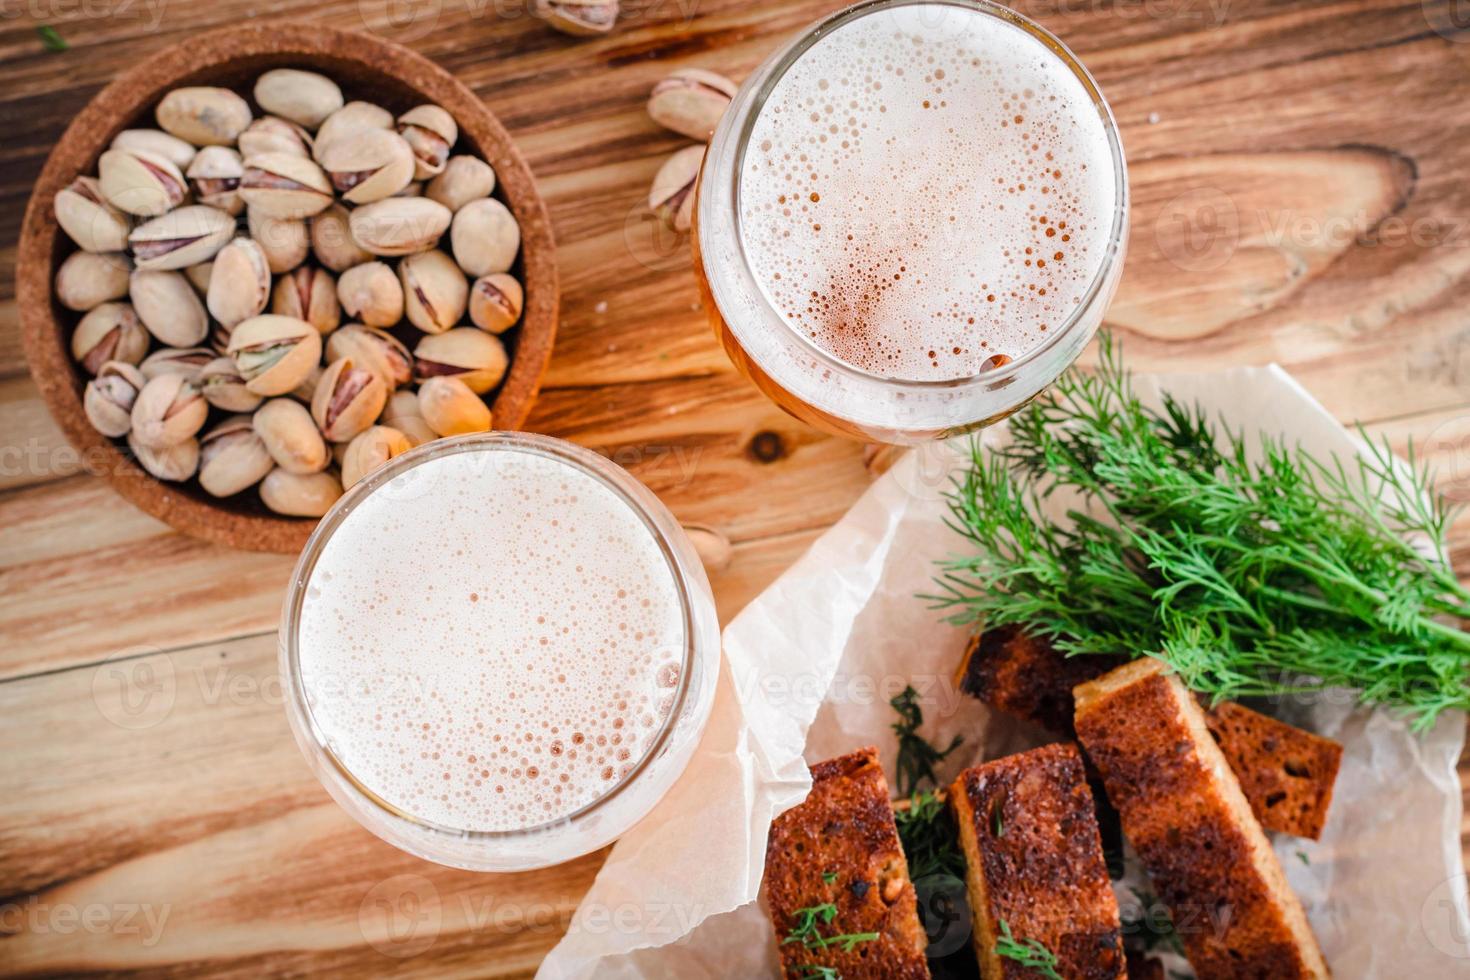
{"x":1332,"y":131}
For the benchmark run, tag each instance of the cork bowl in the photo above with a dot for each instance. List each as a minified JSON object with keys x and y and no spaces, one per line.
{"x":365,"y":68}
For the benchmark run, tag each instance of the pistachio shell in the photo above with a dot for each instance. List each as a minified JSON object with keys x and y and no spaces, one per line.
{"x":284,"y":241}
{"x":486,"y":237}
{"x":240,"y":284}
{"x":271,"y":134}
{"x":156,"y":141}
{"x":496,"y":302}
{"x":371,"y":293}
{"x":672,"y":194}
{"x":85,"y":279}
{"x":139,"y":182}
{"x":691,"y":102}
{"x":351,"y":118}
{"x":279,"y":185}
{"x":291,"y":437}
{"x":399,"y":225}
{"x":465,"y":179}
{"x":304,"y":97}
{"x":204,"y":116}
{"x":232,"y":457}
{"x":185,"y":361}
{"x":167,"y":411}
{"x":473,"y":356}
{"x":174,"y":463}
{"x":332,"y":242}
{"x":198,"y":276}
{"x":88,"y":219}
{"x":223,"y":387}
{"x":370,"y":449}
{"x":377,"y":350}
{"x":348,"y":399}
{"x":109,"y":332}
{"x":431,"y":132}
{"x":108,"y":400}
{"x":450,"y":408}
{"x":580,"y":18}
{"x":434,"y":291}
{"x":300,"y":495}
{"x":214,"y":177}
{"x":712,"y":546}
{"x":402,"y":413}
{"x":181,"y":238}
{"x":169,"y":307}
{"x":309,"y":294}
{"x":274,"y":354}
{"x":369,"y":165}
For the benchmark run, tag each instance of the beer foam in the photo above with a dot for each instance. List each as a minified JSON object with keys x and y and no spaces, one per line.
{"x":491,"y":640}
{"x":927,"y":187}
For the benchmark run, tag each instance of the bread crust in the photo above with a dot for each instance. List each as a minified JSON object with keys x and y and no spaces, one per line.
{"x":1287,"y":774}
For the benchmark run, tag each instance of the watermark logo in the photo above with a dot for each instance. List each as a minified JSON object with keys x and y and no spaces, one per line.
{"x":135,"y":688}
{"x":143,"y":920}
{"x":1198,"y":230}
{"x":1450,"y":19}
{"x":401,"y":916}
{"x":944,"y":908}
{"x":1442,"y":916}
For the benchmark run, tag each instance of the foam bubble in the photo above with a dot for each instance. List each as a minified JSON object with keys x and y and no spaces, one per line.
{"x":495,"y":655}
{"x":924,"y":189}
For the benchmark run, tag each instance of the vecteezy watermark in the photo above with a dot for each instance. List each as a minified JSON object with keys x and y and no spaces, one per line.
{"x":410,"y":20}
{"x":1443,"y":917}
{"x":1198,"y":230}
{"x":401,"y":916}
{"x":936,"y":694}
{"x":141,"y":919}
{"x":1447,"y":449}
{"x":149,"y":12}
{"x":1450,"y":19}
{"x":135,"y":688}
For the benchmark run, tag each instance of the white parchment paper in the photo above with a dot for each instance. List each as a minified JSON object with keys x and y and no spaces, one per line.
{"x":811,"y":664}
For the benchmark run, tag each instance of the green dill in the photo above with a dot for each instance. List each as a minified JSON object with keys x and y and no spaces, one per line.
{"x":1030,"y":953}
{"x":51,"y":39}
{"x":806,"y":930}
{"x":828,"y":877}
{"x":814,"y":972}
{"x":1251,"y":567}
{"x":1302,"y":857}
{"x":928,"y":837}
{"x":916,"y":757}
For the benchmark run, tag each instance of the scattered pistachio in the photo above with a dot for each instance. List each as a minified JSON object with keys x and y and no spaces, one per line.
{"x":183,"y":237}
{"x":285,"y":241}
{"x":580,"y":18}
{"x":371,"y":293}
{"x":486,"y":237}
{"x":464,"y":179}
{"x":271,"y":134}
{"x":223,"y":387}
{"x":431,"y":133}
{"x":88,"y":219}
{"x":157,"y":142}
{"x":332,"y":242}
{"x":109,"y":332}
{"x":280,"y":185}
{"x":273,"y":353}
{"x":109,"y":398}
{"x":300,"y":494}
{"x":167,"y":411}
{"x":204,"y":116}
{"x":496,"y":302}
{"x":691,"y":102}
{"x":370,"y":449}
{"x":304,"y":97}
{"x":450,"y":408}
{"x":434,"y":291}
{"x":214,"y":177}
{"x":672,"y":195}
{"x":86,"y":279}
{"x":377,"y":350}
{"x":399,"y":225}
{"x":348,"y":399}
{"x":240,"y":283}
{"x":473,"y":356}
{"x":174,"y":463}
{"x":140,"y":183}
{"x":185,"y":361}
{"x":232,"y":457}
{"x":291,"y":437}
{"x":169,"y":307}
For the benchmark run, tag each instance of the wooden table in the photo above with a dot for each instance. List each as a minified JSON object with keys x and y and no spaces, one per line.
{"x":1300,"y":196}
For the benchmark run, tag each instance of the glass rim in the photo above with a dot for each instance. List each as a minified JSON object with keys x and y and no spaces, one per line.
{"x":779,"y":63}
{"x":638,"y":498}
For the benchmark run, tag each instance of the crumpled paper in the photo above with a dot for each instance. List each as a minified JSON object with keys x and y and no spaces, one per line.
{"x":810,"y":666}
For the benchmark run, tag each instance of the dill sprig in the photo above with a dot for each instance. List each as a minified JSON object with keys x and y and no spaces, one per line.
{"x":928,"y":837}
{"x":1030,"y":953}
{"x":916,"y":757}
{"x":807,"y":932}
{"x":1250,"y":566}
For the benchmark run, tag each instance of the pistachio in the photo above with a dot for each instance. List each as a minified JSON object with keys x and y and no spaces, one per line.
{"x":348,"y":399}
{"x":181,"y":238}
{"x":712,"y":546}
{"x":304,"y":97}
{"x":284,"y":241}
{"x":581,"y":18}
{"x":85,"y":279}
{"x":198,"y":276}
{"x":232,"y":457}
{"x":496,"y":301}
{"x":465,"y":179}
{"x":691,"y":102}
{"x":157,"y":142}
{"x":672,"y":195}
{"x":169,"y":307}
{"x":185,"y":361}
{"x":86,"y":217}
{"x":109,"y":398}
{"x":434,"y":291}
{"x":450,"y":408}
{"x":431,"y":132}
{"x":167,"y":411}
{"x":304,"y":391}
{"x":412,"y":189}
{"x":270,"y":134}
{"x":309,"y":294}
{"x":485,"y":237}
{"x":300,"y":495}
{"x":274,"y":354}
{"x":351,"y":118}
{"x":473,"y":356}
{"x":214,"y":177}
{"x":369,"y":165}
{"x":175,"y":463}
{"x":371,"y":293}
{"x":223,"y":387}
{"x":139,"y":182}
{"x":204,"y":116}
{"x":403,"y":413}
{"x":332,"y":242}
{"x":279,"y":185}
{"x":377,"y":350}
{"x":370,"y":449}
{"x":240,"y":284}
{"x":109,"y":332}
{"x":291,"y":437}
{"x":399,"y":225}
